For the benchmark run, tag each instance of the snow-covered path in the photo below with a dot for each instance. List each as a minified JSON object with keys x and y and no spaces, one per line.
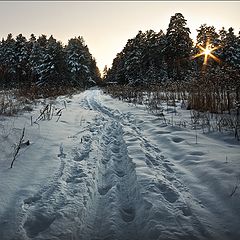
{"x":107,"y":170}
{"x":157,"y":197}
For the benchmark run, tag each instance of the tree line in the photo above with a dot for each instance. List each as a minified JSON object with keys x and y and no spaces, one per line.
{"x":165,"y":61}
{"x":43,"y":65}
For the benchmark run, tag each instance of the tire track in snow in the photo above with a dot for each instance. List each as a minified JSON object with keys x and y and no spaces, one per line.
{"x":173,"y":195}
{"x":115,"y":212}
{"x":102,"y":192}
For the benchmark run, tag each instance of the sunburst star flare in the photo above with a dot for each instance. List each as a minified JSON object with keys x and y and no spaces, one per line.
{"x":207,"y":52}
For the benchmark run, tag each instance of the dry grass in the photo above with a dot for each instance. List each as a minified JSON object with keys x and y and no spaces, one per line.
{"x":213,"y":116}
{"x":11,"y":103}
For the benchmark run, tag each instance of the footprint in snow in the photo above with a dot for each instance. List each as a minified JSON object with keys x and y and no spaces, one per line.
{"x":120,"y":173}
{"x":37,"y":223}
{"x":168,"y":193}
{"x":115,"y":149}
{"x":177,"y":139}
{"x":127,"y":214}
{"x":104,"y":189}
{"x":197,"y":153}
{"x":32,"y":200}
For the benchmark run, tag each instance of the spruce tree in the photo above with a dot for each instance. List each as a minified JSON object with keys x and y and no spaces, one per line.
{"x":51,"y":69}
{"x":178,"y":47}
{"x":35,"y":56}
{"x":9,"y":62}
{"x":22,"y":61}
{"x":133,"y":58}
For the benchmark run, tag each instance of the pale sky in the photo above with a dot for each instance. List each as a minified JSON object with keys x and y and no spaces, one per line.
{"x":106,"y":26}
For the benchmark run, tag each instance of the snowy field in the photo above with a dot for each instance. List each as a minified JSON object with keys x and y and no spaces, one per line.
{"x":107,"y":170}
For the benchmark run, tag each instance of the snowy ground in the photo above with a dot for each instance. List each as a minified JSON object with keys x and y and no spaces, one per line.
{"x":108,"y":170}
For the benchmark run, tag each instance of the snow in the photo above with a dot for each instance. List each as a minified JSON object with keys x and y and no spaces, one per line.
{"x":106,"y":169}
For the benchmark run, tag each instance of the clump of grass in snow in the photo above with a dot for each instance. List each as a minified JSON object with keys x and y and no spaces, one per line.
{"x":11,"y":103}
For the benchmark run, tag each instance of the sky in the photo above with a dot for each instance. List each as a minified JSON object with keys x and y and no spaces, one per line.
{"x":106,"y":26}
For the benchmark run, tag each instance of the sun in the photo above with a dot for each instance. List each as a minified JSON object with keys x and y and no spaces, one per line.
{"x":207,"y":52}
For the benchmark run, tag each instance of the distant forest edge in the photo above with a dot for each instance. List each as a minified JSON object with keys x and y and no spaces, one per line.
{"x":157,"y":62}
{"x":173,"y":64}
{"x":43,"y":66}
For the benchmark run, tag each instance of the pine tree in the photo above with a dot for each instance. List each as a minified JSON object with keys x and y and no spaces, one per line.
{"x":207,"y":34}
{"x":9,"y":63}
{"x":133,"y":58}
{"x":230,"y":57}
{"x":51,"y":69}
{"x":230,"y":50}
{"x":178,"y":47}
{"x":22,"y":61}
{"x":82,"y":67}
{"x":2,"y":65}
{"x":105,"y":72}
{"x":35,"y":56}
{"x":74,"y":59}
{"x":95,"y":74}
{"x":116,"y":74}
{"x":153,"y":61}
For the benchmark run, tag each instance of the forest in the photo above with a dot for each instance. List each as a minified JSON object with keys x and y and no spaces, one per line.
{"x":44,"y":66}
{"x":153,"y":60}
{"x":146,"y":150}
{"x":152,"y":67}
